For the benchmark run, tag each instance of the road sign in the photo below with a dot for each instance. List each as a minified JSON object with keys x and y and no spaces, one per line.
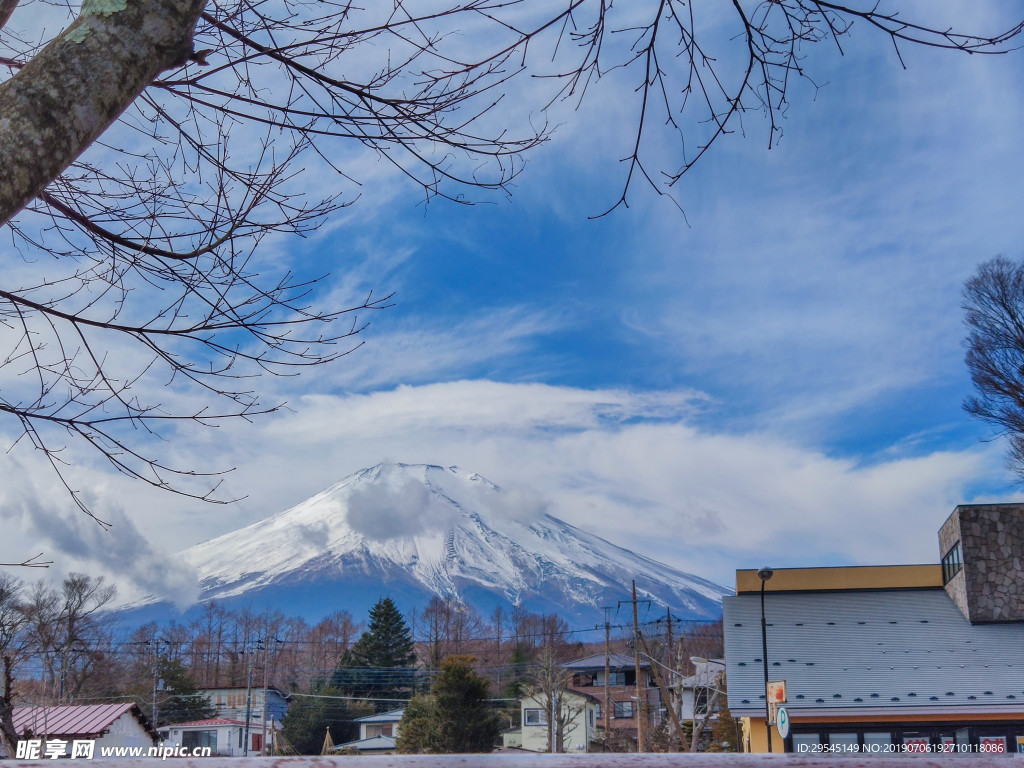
{"x":782,"y":722}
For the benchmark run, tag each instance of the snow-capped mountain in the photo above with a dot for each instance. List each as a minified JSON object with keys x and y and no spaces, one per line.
{"x":415,"y":531}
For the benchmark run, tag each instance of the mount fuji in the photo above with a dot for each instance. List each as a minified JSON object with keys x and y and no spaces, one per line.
{"x":415,"y":531}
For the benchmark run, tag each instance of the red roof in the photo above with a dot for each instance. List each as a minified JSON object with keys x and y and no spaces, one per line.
{"x":89,"y":720}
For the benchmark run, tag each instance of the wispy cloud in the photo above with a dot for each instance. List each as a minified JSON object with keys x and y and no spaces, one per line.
{"x":628,"y":466}
{"x":43,"y":515}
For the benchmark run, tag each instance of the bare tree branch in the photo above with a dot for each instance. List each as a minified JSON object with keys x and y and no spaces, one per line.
{"x":154,"y":152}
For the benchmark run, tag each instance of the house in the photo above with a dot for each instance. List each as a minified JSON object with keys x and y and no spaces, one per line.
{"x":378,"y":734}
{"x":107,"y":725}
{"x":232,"y":703}
{"x":890,"y":659}
{"x":621,"y":707}
{"x":224,"y":736}
{"x":701,"y":692}
{"x":579,"y":716}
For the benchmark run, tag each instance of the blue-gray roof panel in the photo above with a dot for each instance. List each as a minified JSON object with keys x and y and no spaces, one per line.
{"x":886,"y":649}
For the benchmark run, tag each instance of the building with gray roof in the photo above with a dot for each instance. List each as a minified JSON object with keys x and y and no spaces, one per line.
{"x":887,"y":659}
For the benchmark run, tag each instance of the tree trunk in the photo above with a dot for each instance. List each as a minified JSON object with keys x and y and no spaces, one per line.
{"x":8,"y":735}
{"x":69,"y":93}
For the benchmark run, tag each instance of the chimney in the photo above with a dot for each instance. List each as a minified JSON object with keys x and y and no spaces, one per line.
{"x":982,"y":549}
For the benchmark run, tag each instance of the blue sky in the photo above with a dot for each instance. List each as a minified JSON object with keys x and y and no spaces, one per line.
{"x":775,"y":377}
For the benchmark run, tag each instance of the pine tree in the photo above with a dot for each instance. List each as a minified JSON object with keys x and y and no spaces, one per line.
{"x":181,"y":702}
{"x":465,"y":721}
{"x":416,"y":733}
{"x":309,"y":717}
{"x":387,"y":644}
{"x":726,"y":733}
{"x":456,"y":717}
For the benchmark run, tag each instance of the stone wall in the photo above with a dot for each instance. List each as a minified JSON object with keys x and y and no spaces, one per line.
{"x":990,"y":587}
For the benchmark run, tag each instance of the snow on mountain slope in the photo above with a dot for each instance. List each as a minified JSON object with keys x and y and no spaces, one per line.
{"x":438,"y":531}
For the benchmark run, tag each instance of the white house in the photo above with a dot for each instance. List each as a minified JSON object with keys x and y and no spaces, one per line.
{"x":224,"y":736}
{"x":581,"y":711}
{"x":232,"y":703}
{"x":702,"y":692}
{"x":377,"y":733}
{"x":108,"y":725}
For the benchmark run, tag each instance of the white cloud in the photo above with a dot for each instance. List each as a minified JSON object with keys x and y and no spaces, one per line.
{"x":630,"y":467}
{"x":45,"y":520}
{"x":627,"y":466}
{"x":397,"y":506}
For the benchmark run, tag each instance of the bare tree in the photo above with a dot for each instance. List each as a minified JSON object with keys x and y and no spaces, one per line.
{"x":157,"y":234}
{"x":66,"y":631}
{"x":994,"y":316}
{"x":549,"y":685}
{"x":14,"y":648}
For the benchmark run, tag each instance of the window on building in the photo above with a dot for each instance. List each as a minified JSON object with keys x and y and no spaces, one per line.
{"x":878,"y":743}
{"x":193,"y":739}
{"x":700,"y":701}
{"x":844,"y":743}
{"x":535,"y":717}
{"x":620,"y":677}
{"x":991,"y":742}
{"x":952,"y":562}
{"x":917,"y":742}
{"x":805,"y":743}
{"x":622,"y":709}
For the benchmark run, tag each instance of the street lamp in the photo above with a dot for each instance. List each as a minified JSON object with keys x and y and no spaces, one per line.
{"x":764,"y":574}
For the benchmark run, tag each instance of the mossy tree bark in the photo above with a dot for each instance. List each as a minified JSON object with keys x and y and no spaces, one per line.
{"x":67,"y":95}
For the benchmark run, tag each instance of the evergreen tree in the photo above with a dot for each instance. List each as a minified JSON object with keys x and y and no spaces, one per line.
{"x":180,"y":702}
{"x":464,"y":719}
{"x":387,"y":645}
{"x":456,"y":718}
{"x":726,"y":733}
{"x":387,"y":642}
{"x":309,"y":717}
{"x":416,"y":731}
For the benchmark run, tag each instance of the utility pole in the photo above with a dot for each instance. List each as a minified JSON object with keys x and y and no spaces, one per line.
{"x":671,"y":659}
{"x":641,"y":694}
{"x":263,"y":737}
{"x":248,"y":700}
{"x":607,"y":676}
{"x":668,"y":626}
{"x":554,"y":721}
{"x":156,"y":673}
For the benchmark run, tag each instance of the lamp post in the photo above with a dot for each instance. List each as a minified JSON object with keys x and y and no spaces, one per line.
{"x":764,"y":574}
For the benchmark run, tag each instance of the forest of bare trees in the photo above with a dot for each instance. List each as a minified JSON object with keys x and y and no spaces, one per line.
{"x":59,"y":647}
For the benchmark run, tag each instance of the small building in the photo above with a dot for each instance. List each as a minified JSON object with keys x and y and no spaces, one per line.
{"x":890,"y":659}
{"x":224,"y":736}
{"x":378,"y":734}
{"x":701,"y":694}
{"x":108,"y":725}
{"x":579,"y":713}
{"x":623,"y":708}
{"x":232,"y":703}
